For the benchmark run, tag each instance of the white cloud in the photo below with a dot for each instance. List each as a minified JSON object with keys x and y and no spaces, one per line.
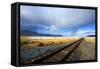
{"x":85,"y":32}
{"x":52,"y":28}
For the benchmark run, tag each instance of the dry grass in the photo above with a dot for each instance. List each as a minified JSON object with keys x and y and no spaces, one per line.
{"x":90,"y":39}
{"x":26,"y":41}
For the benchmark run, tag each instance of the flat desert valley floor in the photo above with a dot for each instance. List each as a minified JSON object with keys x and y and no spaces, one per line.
{"x":56,"y":49}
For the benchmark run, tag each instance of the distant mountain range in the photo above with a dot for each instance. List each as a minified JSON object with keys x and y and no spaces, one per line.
{"x":30,"y":33}
{"x":91,"y":36}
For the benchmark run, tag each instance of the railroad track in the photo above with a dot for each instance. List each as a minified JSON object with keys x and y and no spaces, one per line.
{"x":60,"y":55}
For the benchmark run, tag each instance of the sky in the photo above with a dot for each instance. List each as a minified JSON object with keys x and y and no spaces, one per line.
{"x":69,"y":22}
